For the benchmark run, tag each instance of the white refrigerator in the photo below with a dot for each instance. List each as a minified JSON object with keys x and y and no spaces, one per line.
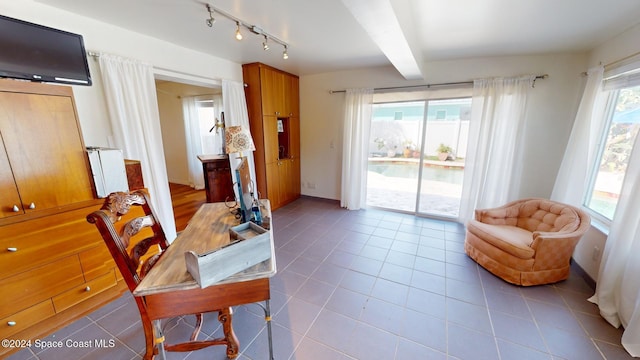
{"x":109,"y":172}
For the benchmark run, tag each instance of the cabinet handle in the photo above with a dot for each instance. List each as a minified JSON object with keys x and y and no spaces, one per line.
{"x":11,"y":323}
{"x":277,"y":113}
{"x":32,"y":206}
{"x":12,"y":249}
{"x":16,"y":208}
{"x":87,"y":289}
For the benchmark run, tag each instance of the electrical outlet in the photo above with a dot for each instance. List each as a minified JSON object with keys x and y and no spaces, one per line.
{"x":311,"y":185}
{"x":595,"y":255}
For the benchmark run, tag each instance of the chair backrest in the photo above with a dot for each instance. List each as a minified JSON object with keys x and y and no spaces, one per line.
{"x":547,"y":215}
{"x":129,"y":237}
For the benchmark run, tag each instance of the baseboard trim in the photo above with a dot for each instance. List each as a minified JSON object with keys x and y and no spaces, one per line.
{"x":580,"y":271}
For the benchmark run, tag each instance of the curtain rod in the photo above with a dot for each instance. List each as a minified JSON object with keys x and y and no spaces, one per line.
{"x":431,"y":85}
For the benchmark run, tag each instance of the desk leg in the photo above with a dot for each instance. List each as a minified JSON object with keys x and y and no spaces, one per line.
{"x":159,"y":339}
{"x":267,"y":317}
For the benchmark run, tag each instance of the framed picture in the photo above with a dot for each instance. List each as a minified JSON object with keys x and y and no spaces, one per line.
{"x":280,"y":126}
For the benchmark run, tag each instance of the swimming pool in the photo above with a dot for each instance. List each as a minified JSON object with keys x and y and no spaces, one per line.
{"x":410,"y":170}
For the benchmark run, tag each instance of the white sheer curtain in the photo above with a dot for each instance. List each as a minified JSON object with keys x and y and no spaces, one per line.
{"x":618,"y":287}
{"x":130,"y":92}
{"x":492,"y":161}
{"x":235,"y":113}
{"x":193,"y":140}
{"x":573,"y":176}
{"x":358,"y":108}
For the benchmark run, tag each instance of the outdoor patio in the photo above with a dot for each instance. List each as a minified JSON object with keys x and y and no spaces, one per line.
{"x":439,"y":198}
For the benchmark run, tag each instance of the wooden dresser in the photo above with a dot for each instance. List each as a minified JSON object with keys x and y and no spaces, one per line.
{"x":54,"y":266}
{"x":218,"y":183}
{"x":273,"y":106}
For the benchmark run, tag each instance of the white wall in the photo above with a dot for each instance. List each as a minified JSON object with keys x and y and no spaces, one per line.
{"x":550,"y":113}
{"x":102,"y":37}
{"x":617,"y":48}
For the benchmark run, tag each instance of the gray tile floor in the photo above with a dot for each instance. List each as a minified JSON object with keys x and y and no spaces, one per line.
{"x":373,"y":285}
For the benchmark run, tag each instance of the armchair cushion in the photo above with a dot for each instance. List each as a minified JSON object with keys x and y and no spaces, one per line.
{"x":528,"y":241}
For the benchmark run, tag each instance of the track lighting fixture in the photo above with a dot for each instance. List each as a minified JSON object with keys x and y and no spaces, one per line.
{"x":252,"y":28}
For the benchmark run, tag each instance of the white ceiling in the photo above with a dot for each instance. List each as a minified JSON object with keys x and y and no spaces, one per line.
{"x":330,"y":35}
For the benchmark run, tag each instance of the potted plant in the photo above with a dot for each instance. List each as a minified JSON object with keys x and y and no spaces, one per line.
{"x":408,"y":148}
{"x":444,"y":152}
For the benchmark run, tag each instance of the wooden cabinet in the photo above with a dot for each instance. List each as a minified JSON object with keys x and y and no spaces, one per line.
{"x":54,"y":265}
{"x":273,"y":104}
{"x":43,"y":147}
{"x":218,"y":183}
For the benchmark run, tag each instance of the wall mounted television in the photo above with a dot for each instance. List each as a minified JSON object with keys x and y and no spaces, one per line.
{"x":39,"y":53}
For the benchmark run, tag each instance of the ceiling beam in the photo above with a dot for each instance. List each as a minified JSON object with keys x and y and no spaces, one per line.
{"x":389,"y":24}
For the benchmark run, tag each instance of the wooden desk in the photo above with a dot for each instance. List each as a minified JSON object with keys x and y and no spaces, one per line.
{"x":169,"y":289}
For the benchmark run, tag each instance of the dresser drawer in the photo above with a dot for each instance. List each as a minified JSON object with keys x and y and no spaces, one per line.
{"x":96,"y":261}
{"x":29,"y":288}
{"x":17,"y":322}
{"x":40,"y":241}
{"x":84,"y":291}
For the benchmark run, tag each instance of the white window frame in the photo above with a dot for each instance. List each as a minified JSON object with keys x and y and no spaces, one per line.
{"x":619,"y":81}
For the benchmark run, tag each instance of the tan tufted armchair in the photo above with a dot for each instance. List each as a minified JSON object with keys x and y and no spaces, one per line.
{"x":526,"y":242}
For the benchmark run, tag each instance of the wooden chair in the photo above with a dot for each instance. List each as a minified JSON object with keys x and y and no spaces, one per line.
{"x":136,"y":243}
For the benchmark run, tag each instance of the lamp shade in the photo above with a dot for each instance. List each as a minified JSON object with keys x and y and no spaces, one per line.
{"x":238,"y":139}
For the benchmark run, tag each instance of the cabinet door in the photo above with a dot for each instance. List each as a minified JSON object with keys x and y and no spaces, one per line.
{"x":292,"y":96}
{"x":270,"y":139}
{"x":8,"y":191}
{"x":295,"y":178}
{"x":273,"y":84}
{"x":294,"y":138}
{"x":273,"y":184}
{"x":45,"y":149}
{"x":289,"y":180}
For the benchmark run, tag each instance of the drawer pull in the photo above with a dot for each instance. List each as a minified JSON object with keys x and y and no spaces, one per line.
{"x":11,"y":323}
{"x":15,"y":208}
{"x":87,"y":289}
{"x":32,"y":206}
{"x":12,"y":249}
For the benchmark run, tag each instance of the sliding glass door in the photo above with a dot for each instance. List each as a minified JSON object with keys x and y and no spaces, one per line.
{"x":416,"y":155}
{"x":445,"y":139}
{"x":394,"y":155}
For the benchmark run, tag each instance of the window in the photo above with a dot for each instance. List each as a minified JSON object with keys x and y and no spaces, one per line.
{"x":208,"y":110}
{"x":619,"y":136}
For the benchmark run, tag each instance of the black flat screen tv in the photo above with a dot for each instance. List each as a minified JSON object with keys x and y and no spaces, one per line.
{"x":39,"y":53}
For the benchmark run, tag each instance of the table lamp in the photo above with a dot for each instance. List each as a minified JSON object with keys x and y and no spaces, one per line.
{"x":238,"y":139}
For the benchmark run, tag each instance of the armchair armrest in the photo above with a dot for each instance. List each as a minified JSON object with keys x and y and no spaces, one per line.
{"x":503,"y":215}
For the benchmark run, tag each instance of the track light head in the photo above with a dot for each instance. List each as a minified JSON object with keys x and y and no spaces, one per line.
{"x":238,"y":33}
{"x":265,"y":45}
{"x":211,"y":20}
{"x":285,"y":54}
